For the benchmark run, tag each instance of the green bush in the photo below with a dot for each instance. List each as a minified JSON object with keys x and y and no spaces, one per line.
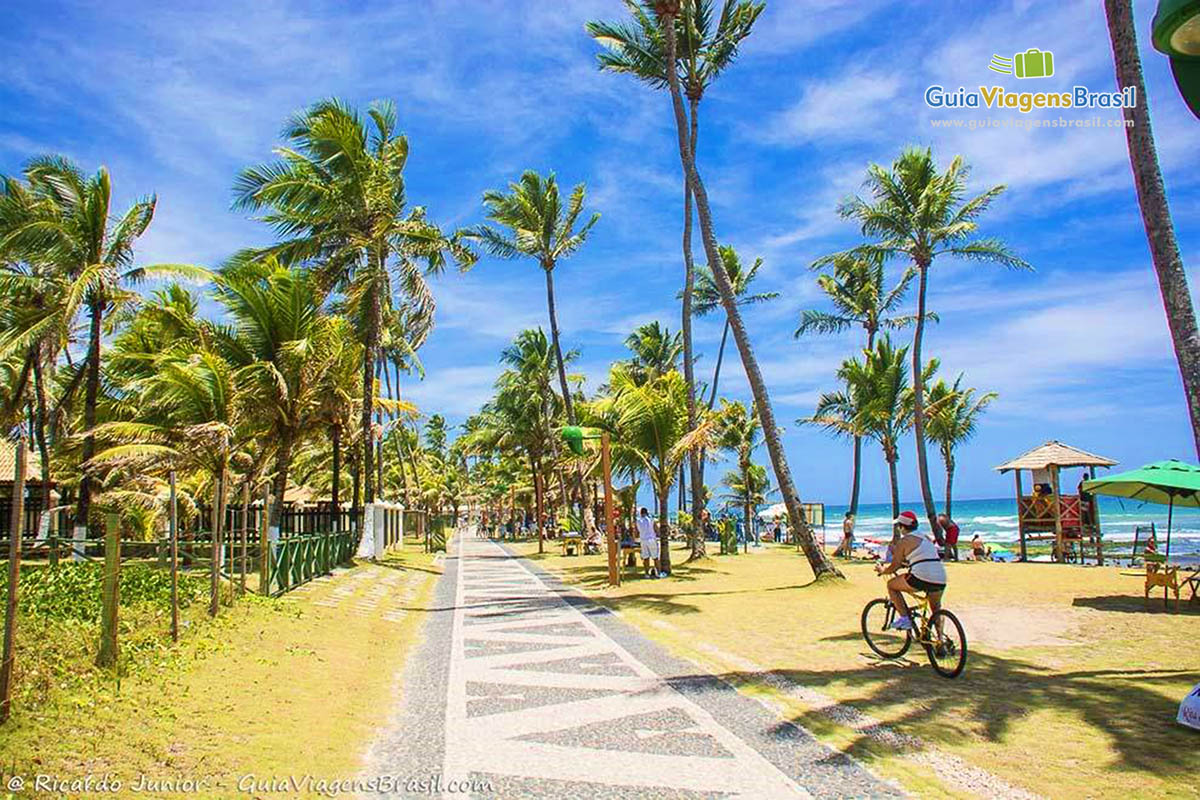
{"x":72,"y":591}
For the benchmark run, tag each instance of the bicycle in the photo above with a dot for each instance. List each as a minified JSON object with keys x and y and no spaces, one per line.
{"x":940,"y":633}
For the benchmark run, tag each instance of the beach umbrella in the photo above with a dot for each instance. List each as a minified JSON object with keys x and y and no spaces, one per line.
{"x":1170,"y":483}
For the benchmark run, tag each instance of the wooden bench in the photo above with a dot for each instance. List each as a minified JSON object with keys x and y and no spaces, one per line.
{"x":571,"y":543}
{"x":630,"y":551}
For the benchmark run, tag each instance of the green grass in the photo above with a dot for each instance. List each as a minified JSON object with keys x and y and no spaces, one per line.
{"x":271,"y":687}
{"x":1071,"y":687}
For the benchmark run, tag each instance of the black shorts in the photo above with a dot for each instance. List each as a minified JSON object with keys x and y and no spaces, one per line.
{"x":924,"y":586}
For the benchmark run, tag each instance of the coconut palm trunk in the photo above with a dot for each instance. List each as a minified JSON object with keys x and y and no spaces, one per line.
{"x":817,"y":559}
{"x":1156,"y":214}
{"x":949,"y":459}
{"x":39,"y":432}
{"x":371,"y":345}
{"x":283,"y":462}
{"x":919,"y":405}
{"x":695,"y":469}
{"x":558,"y":356}
{"x":889,"y":455}
{"x":92,"y":391}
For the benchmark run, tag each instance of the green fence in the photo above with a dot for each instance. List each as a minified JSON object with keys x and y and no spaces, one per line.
{"x":296,"y":560}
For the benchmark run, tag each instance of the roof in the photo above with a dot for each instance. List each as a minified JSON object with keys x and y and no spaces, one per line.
{"x":8,"y":463}
{"x":1057,"y":454}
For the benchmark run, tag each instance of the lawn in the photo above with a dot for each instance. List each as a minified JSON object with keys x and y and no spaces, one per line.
{"x":273,"y":688}
{"x":1070,"y":691}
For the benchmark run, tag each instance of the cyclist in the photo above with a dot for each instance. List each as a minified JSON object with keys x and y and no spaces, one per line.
{"x":926,"y":573}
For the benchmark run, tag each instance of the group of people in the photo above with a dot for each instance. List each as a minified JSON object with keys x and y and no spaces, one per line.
{"x":948,"y":550}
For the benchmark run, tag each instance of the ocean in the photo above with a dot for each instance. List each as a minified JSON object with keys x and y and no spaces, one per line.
{"x":996,"y":522}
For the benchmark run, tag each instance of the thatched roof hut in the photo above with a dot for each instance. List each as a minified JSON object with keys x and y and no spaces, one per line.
{"x":1071,"y":521}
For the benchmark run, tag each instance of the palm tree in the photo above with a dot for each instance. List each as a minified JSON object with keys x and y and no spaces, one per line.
{"x":739,"y":433}
{"x":666,"y":12}
{"x":650,"y":426}
{"x":710,"y":43}
{"x":655,"y":351}
{"x":73,"y":229}
{"x":337,"y":198}
{"x":917,"y":212}
{"x":1156,"y":213}
{"x":953,"y":416}
{"x":876,"y":402}
{"x":282,"y":344}
{"x":708,"y":300}
{"x":540,"y":227}
{"x":855,"y":286}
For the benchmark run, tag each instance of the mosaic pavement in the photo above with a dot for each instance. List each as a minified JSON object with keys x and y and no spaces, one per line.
{"x":528,"y":687}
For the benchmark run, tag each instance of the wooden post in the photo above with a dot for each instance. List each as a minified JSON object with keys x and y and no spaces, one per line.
{"x":264,"y":553}
{"x":173,"y":533}
{"x":14,"y":578}
{"x":111,"y":597}
{"x":1020,"y":519}
{"x":610,"y":519}
{"x":245,"y":533}
{"x":1058,"y":529}
{"x":214,"y":575}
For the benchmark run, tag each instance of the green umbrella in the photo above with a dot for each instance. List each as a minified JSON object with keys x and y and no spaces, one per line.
{"x":1168,"y":483}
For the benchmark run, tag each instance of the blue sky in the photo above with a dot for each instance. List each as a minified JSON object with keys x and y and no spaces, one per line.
{"x":176,"y":99}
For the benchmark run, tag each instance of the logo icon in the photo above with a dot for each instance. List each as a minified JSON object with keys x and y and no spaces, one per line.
{"x":1033,"y":63}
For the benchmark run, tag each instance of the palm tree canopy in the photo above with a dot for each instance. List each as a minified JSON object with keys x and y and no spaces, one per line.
{"x":536,"y":221}
{"x":706,"y":295}
{"x":919,"y":212}
{"x":656,"y":351}
{"x":855,"y":286}
{"x":707,"y":42}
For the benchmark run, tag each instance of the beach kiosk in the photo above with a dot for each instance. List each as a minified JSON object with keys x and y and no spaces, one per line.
{"x":1047,"y":513}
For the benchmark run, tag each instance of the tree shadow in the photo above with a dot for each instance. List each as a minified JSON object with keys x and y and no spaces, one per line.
{"x":1131,"y":604}
{"x":1120,"y":705}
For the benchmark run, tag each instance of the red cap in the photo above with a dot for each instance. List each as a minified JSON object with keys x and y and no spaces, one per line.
{"x":907,"y":518}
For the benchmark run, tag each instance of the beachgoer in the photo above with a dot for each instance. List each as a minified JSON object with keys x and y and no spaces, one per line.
{"x":846,"y":547}
{"x":980,"y":551}
{"x":649,"y":544}
{"x":926,"y":573}
{"x":950,"y":530}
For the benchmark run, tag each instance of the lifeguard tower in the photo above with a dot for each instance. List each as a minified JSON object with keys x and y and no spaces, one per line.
{"x":1047,"y":513}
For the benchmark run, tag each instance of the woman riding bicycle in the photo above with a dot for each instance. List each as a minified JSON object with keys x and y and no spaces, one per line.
{"x":926,"y":573}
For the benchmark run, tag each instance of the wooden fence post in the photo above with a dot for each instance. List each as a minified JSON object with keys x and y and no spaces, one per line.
{"x":111,"y":592}
{"x":14,"y":577}
{"x":245,"y":533}
{"x":173,"y":532}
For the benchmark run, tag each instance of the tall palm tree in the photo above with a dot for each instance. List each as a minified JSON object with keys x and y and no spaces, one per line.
{"x":917,"y":212}
{"x":876,"y":402}
{"x":709,"y":44}
{"x":337,"y":198}
{"x":1156,"y":213}
{"x":954,"y":414}
{"x":667,"y":12}
{"x":856,"y":288}
{"x":740,"y":433}
{"x":708,"y":300}
{"x":74,"y":230}
{"x":535,"y":224}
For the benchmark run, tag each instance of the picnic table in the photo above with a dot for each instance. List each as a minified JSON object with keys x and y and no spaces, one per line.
{"x":1192,"y":581}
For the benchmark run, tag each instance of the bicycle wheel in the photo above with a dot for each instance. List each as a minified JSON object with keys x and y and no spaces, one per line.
{"x":947,"y":649}
{"x":876,"y":629}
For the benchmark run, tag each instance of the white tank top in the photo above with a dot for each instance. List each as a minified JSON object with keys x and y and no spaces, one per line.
{"x":923,"y":562}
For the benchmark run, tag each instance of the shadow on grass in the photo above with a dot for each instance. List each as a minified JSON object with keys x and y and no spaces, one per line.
{"x":1119,"y":705}
{"x":1130,"y":604}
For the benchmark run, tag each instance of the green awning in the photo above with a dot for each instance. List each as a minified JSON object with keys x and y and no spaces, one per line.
{"x":1164,"y":482}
